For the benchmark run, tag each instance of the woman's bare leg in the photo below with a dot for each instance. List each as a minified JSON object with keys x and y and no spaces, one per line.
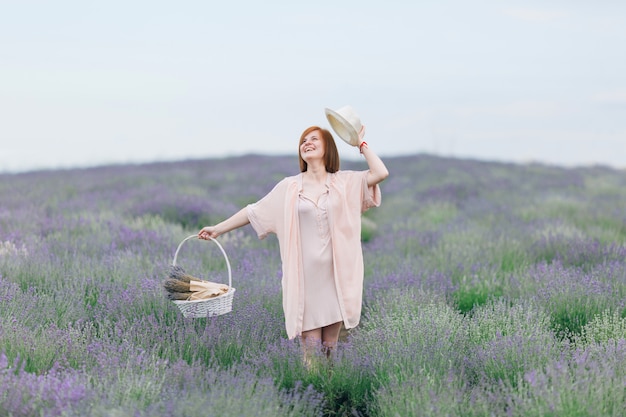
{"x":312,"y":337}
{"x":330,"y":337}
{"x":325,"y":338}
{"x":311,"y":340}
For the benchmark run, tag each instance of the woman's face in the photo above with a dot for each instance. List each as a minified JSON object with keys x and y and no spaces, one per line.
{"x":312,"y":146}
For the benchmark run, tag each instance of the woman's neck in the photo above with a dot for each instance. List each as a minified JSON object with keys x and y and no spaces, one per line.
{"x":316,"y":172}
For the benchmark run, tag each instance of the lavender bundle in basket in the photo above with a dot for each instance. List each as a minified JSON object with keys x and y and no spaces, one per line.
{"x":182,"y":286}
{"x":178,"y":273}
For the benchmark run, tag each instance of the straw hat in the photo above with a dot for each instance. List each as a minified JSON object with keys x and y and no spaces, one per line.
{"x":346,"y":123}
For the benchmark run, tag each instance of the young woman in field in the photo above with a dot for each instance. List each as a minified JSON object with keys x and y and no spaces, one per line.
{"x":316,"y":216}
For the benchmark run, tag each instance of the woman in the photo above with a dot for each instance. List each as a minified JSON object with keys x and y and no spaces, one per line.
{"x":316,"y":216}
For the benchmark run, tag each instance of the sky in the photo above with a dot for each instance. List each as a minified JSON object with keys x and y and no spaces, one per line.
{"x":86,"y":83}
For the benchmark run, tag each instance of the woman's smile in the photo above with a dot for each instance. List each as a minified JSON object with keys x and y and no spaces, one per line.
{"x":311,"y":143}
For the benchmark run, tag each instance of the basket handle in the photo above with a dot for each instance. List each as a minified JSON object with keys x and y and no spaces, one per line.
{"x":230,"y":275}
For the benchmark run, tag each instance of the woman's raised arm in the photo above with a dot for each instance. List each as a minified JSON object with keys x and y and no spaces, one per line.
{"x":377,"y":169}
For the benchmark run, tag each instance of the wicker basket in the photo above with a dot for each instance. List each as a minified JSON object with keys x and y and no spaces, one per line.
{"x":216,"y":306}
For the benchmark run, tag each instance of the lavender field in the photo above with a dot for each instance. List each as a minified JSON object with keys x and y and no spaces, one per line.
{"x":490,"y":290}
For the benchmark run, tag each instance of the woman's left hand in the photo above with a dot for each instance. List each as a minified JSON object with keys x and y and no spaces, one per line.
{"x":361,"y":134}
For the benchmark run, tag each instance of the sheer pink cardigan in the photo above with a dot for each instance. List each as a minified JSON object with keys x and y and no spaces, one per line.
{"x":277,"y":212}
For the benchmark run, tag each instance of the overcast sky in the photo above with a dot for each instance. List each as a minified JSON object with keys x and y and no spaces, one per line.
{"x":87,"y":83}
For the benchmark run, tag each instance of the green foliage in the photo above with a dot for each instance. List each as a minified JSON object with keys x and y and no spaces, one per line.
{"x":468,"y":296}
{"x":407,"y":337}
{"x":348,"y":387}
{"x":557,"y":389}
{"x":603,"y":328}
{"x":368,"y":229}
{"x":509,"y":339}
{"x":423,"y":395}
{"x":571,"y":312}
{"x":501,"y":317}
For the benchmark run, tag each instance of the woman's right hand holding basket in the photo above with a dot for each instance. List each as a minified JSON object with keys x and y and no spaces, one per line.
{"x":207,"y":233}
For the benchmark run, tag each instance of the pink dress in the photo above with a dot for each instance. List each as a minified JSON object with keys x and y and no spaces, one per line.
{"x":348,"y":196}
{"x":321,"y":302}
